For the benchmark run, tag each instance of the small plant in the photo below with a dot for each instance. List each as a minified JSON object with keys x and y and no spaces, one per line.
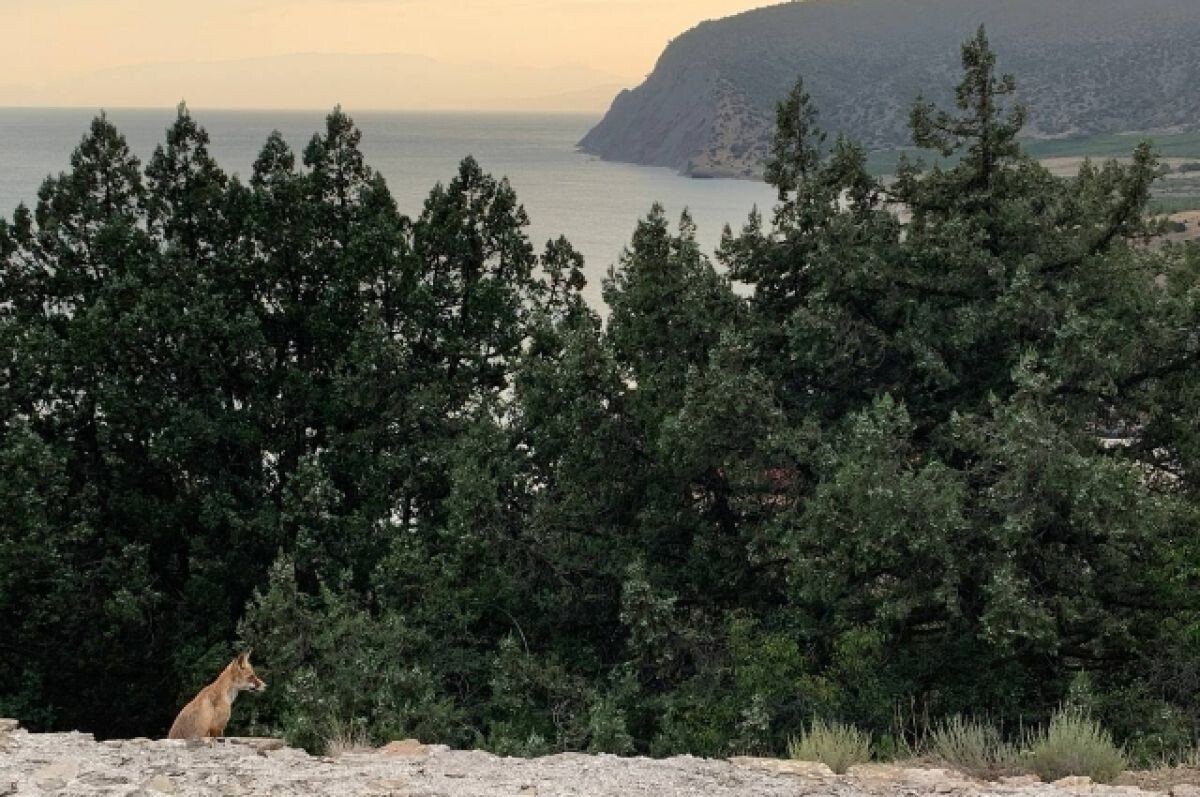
{"x":1185,"y":758}
{"x":347,"y":738}
{"x":973,"y":747}
{"x":911,"y":727}
{"x":836,"y":745}
{"x":1074,"y":744}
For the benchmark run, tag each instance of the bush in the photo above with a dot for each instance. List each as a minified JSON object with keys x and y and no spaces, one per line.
{"x":1074,"y":744}
{"x":836,"y":745}
{"x":973,"y":747}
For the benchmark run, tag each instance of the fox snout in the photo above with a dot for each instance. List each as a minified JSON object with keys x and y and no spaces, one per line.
{"x":253,"y":684}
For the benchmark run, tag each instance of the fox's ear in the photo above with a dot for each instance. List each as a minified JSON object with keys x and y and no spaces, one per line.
{"x":244,"y":658}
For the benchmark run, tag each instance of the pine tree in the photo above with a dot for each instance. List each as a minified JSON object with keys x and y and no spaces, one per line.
{"x":79,"y":565}
{"x":668,"y":306}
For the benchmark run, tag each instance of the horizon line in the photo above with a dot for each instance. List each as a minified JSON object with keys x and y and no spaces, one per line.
{"x":303,"y":109}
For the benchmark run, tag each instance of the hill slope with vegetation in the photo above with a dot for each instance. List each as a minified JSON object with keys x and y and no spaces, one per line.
{"x":1086,"y":67}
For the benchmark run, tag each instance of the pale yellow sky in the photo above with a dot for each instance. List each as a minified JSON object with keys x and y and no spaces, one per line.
{"x":550,"y":54}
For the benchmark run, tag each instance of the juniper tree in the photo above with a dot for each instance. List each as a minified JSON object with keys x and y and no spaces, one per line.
{"x":982,"y":356}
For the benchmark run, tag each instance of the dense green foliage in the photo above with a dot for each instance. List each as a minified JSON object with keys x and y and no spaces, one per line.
{"x":951,"y":459}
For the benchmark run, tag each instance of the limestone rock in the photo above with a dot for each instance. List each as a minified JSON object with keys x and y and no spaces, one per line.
{"x":103,"y":779}
{"x":1019,"y":780}
{"x":405,"y":748}
{"x":56,"y":776}
{"x":260,"y":744}
{"x":804,"y":769}
{"x":161,"y":784}
{"x":71,"y":765}
{"x":1074,"y":783}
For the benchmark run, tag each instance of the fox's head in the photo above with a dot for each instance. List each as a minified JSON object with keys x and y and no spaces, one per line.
{"x":244,"y":677}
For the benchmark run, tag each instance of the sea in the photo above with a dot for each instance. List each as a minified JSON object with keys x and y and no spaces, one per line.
{"x":595,"y":204}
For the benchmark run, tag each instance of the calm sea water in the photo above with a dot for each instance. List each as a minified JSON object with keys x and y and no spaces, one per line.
{"x":595,"y":204}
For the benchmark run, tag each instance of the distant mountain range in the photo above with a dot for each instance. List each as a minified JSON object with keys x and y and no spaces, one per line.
{"x":386,"y":81}
{"x":1082,"y":67}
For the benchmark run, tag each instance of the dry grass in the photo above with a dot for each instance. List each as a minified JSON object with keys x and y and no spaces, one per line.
{"x":973,"y":747}
{"x":347,"y":738}
{"x":836,"y":745}
{"x":1175,"y":770}
{"x":1074,"y":744}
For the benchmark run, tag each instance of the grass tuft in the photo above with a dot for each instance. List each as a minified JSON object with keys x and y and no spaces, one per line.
{"x":1074,"y":744}
{"x":973,"y":747}
{"x":347,"y":738}
{"x":836,"y":745}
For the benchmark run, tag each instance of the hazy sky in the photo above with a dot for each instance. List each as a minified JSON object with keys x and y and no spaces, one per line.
{"x":152,"y":52}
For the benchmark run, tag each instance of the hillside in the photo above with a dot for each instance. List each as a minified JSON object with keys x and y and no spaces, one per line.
{"x":1083,"y":67}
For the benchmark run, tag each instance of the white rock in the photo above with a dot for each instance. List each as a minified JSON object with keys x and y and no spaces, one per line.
{"x":804,"y":769}
{"x":405,"y":748}
{"x":57,"y":775}
{"x":1019,"y":780}
{"x":75,"y":765}
{"x":1074,"y":783}
{"x":161,"y":784}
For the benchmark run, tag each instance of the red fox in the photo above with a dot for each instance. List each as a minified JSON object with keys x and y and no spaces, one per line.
{"x":208,"y":713}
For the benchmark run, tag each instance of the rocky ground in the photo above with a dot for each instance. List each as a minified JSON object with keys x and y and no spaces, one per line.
{"x":75,"y":764}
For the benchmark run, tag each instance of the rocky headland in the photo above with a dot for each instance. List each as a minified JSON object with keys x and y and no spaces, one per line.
{"x":1083,"y":67}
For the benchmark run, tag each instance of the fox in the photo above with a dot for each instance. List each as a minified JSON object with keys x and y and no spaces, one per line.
{"x":206,"y":716}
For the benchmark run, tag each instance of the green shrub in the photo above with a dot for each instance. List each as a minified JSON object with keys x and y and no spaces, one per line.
{"x":973,"y":747}
{"x":608,"y":727}
{"x":836,"y":745}
{"x":1074,"y":744}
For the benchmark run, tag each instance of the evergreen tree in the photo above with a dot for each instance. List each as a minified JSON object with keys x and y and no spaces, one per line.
{"x":943,"y":450}
{"x":972,"y":357}
{"x":80,"y":565}
{"x":668,"y":307}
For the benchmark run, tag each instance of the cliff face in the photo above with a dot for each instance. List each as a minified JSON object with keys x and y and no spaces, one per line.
{"x":1082,"y":66}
